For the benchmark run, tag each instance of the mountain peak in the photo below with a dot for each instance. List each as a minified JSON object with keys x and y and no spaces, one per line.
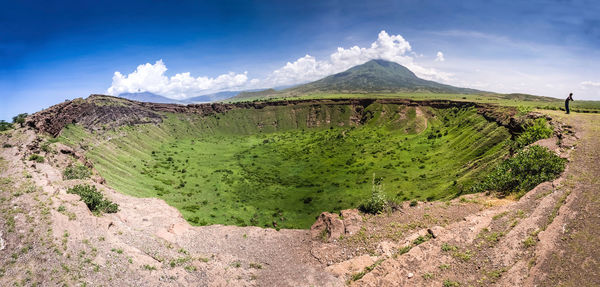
{"x":373,"y":76}
{"x":378,"y":76}
{"x":388,"y":67}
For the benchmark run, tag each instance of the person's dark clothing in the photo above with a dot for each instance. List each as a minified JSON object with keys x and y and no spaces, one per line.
{"x":569,"y":98}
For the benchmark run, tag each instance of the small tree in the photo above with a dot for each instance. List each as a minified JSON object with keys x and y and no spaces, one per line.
{"x":20,"y":119}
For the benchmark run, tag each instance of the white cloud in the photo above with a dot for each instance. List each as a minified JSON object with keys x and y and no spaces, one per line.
{"x":586,"y":84}
{"x":151,"y":78}
{"x":387,"y":47}
{"x":440,"y":57}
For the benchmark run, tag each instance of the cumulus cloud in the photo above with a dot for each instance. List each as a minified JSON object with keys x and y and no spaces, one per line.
{"x":388,"y":47}
{"x":151,"y":78}
{"x":440,"y":57}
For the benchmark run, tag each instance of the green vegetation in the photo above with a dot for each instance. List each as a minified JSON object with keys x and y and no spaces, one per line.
{"x":287,"y":164}
{"x":4,"y":126}
{"x":94,"y":199}
{"x":19,"y":119}
{"x":77,"y":171}
{"x":534,"y":130}
{"x":450,"y":283}
{"x":37,"y":158}
{"x":447,"y":247}
{"x":360,"y":275}
{"x":519,"y":174}
{"x":377,"y":202}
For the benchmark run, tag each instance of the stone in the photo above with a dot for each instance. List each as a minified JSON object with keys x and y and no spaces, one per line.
{"x":411,"y":275}
{"x":352,"y":221}
{"x":328,"y":227}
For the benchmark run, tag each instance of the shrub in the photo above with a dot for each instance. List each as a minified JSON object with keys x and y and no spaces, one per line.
{"x":36,"y":158}
{"x":377,"y":202}
{"x":76,"y":172}
{"x":534,"y":130}
{"x":94,"y":200}
{"x":521,"y":173}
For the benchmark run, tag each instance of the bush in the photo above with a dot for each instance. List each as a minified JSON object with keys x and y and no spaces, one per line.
{"x":76,"y":172}
{"x":94,"y":200}
{"x":36,"y":158}
{"x":534,"y":130}
{"x":521,"y":173}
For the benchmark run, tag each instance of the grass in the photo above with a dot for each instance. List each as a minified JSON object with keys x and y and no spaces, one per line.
{"x":77,"y":171}
{"x":248,"y":168}
{"x":361,"y":274}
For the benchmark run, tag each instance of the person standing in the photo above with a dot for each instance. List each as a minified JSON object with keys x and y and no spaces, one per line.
{"x":569,"y":98}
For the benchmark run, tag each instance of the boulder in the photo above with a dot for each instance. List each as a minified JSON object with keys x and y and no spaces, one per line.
{"x":352,"y":221}
{"x":328,"y":227}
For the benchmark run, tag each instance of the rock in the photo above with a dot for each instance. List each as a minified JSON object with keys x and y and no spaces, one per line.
{"x":410,"y":275}
{"x":431,"y":233}
{"x":352,"y":221}
{"x":2,"y":244}
{"x":328,"y":227}
{"x":387,"y":248}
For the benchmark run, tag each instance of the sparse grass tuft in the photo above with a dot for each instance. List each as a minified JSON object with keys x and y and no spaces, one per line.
{"x":450,"y":283}
{"x":37,"y":158}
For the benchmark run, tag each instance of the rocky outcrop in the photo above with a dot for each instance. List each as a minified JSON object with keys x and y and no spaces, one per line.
{"x":352,"y":221}
{"x":94,"y":113}
{"x":330,"y":226}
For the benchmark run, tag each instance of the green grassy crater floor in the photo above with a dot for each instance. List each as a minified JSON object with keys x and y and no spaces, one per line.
{"x":283,"y":166}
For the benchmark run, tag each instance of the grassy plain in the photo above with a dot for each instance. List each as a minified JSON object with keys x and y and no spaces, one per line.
{"x":282,"y":166}
{"x":512,"y":100}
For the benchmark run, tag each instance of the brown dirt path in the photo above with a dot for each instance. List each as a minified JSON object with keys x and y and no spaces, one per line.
{"x":572,"y":258}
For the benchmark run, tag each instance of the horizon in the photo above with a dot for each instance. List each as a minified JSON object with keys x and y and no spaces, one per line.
{"x":53,"y":52}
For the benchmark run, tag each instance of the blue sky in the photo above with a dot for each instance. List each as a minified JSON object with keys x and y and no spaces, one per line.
{"x":56,"y":50}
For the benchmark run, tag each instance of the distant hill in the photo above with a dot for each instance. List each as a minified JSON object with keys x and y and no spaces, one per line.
{"x":212,"y":97}
{"x":149,"y":97}
{"x":154,"y":98}
{"x":375,"y":76}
